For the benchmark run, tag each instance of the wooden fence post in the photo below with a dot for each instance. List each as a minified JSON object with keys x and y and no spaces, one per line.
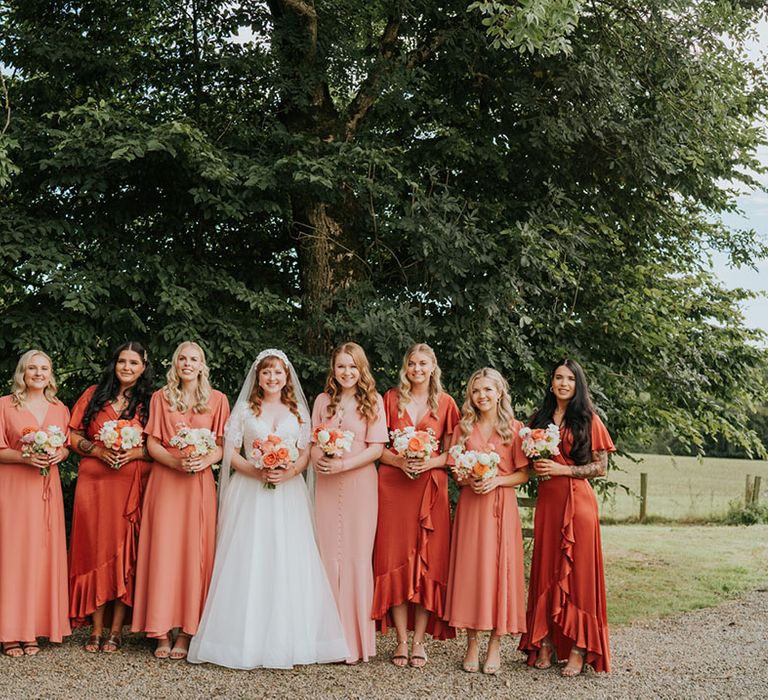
{"x":748,"y":490}
{"x":643,"y":496}
{"x":756,"y":490}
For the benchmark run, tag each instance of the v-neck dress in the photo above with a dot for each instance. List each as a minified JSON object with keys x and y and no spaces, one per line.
{"x":105,"y":522}
{"x":178,"y":529}
{"x":345,"y":512}
{"x":33,"y":548}
{"x":413,"y":536}
{"x":486,"y":585}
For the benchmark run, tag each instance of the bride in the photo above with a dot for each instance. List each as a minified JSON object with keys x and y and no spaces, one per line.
{"x":269,"y":604}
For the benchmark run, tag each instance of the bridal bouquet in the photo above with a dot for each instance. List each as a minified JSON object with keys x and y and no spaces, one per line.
{"x":541,"y":443}
{"x":194,"y":442}
{"x":120,"y":435}
{"x":474,"y":464}
{"x":333,"y":442}
{"x":273,"y":453}
{"x":414,"y":444}
{"x":43,"y":442}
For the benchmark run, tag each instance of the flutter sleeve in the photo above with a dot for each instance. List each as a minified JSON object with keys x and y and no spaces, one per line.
{"x":3,"y":429}
{"x":157,"y":408}
{"x":220,"y":414}
{"x":318,"y":411}
{"x":601,"y":439}
{"x":452,"y":416}
{"x":519,"y":458}
{"x":79,"y":409}
{"x":455,"y":437}
{"x":377,"y":429}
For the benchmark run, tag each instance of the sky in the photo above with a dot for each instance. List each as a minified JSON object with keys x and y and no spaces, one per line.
{"x":754,"y":206}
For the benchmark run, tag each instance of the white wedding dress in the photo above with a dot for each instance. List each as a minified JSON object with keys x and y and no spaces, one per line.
{"x":269,"y":604}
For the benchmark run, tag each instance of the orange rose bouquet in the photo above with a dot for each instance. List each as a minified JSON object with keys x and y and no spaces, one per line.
{"x":273,"y":453}
{"x":45,"y":442}
{"x":541,"y":443}
{"x":333,"y":442}
{"x":474,"y":464}
{"x":414,"y":444}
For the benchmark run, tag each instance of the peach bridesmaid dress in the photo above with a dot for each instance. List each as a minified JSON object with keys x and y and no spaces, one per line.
{"x":566,"y":592}
{"x":486,"y":585}
{"x":345,"y":513}
{"x":413,"y":537}
{"x":105,"y":522}
{"x":178,"y":530}
{"x":33,"y":549}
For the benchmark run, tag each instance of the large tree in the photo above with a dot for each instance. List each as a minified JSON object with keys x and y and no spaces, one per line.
{"x":510,"y":182}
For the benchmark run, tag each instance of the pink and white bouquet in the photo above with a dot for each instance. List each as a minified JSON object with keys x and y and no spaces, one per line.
{"x":194,"y":442}
{"x":120,"y":435}
{"x":474,"y":464}
{"x":273,"y":453}
{"x":333,"y":442}
{"x":414,"y":444}
{"x":43,"y":442}
{"x":541,"y":443}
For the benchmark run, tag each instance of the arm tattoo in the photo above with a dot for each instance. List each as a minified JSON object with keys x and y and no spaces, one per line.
{"x":85,"y":446}
{"x":597,"y":467}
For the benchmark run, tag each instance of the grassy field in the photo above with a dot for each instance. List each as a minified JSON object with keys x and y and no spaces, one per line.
{"x":656,"y":570}
{"x":682,"y":488}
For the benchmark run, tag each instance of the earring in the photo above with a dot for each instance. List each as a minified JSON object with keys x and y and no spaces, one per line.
{"x":551,"y":390}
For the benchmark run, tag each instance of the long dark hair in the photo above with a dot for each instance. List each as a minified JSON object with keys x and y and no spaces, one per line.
{"x":578,"y":413}
{"x":109,"y":387}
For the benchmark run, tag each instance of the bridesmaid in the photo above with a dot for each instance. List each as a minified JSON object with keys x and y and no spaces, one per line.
{"x":178,"y":533}
{"x":410,"y":560}
{"x":486,"y":586}
{"x":566,"y":594}
{"x":107,"y":509}
{"x":33,"y":550}
{"x":346,"y":492}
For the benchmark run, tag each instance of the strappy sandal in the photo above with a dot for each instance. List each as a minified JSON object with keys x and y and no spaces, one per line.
{"x":30,"y":648}
{"x":543,"y":663}
{"x":492,"y":668}
{"x":13,"y":650}
{"x":419,"y":659}
{"x":114,"y":641}
{"x":178,"y":653}
{"x":92,"y":644}
{"x":571,"y":671}
{"x":471,"y":666}
{"x":400,"y":657}
{"x":163,"y":648}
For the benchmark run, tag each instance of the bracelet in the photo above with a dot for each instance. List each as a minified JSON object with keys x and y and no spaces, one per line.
{"x":343,"y":468}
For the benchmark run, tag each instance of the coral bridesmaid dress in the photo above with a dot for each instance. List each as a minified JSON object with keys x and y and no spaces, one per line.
{"x":178,"y":530}
{"x":33,"y":549}
{"x":410,"y":558}
{"x":105,"y":522}
{"x":486,"y":584}
{"x":566,"y":593}
{"x":345,"y":513}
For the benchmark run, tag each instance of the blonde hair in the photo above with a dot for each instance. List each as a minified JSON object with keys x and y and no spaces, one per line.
{"x":176,"y":399}
{"x":504,"y":413}
{"x":404,"y":387}
{"x":365,"y":391}
{"x":287,"y":393}
{"x":19,"y":388}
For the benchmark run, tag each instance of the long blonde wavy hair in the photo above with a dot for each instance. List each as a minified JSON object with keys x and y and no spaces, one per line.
{"x":287,"y":393}
{"x":505,"y":415}
{"x":19,"y":388}
{"x":365,"y":391}
{"x":173,"y":391}
{"x":404,"y":387}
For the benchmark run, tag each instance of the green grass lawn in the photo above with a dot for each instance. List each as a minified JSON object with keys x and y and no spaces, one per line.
{"x":657,"y":570}
{"x":682,"y":488}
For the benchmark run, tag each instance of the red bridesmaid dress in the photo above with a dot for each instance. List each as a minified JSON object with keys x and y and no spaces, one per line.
{"x":410,"y":557}
{"x":566,"y":592}
{"x":105,"y":522}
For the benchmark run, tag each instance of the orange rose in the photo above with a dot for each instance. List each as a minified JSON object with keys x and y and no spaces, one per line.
{"x":269,"y":460}
{"x":256,"y":445}
{"x":416,"y":444}
{"x":28,"y":429}
{"x":481,"y":470}
{"x":282,"y":454}
{"x":538,"y":433}
{"x":274,"y":439}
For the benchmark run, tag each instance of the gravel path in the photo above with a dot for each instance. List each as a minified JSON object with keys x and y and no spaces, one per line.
{"x":720,"y":652}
